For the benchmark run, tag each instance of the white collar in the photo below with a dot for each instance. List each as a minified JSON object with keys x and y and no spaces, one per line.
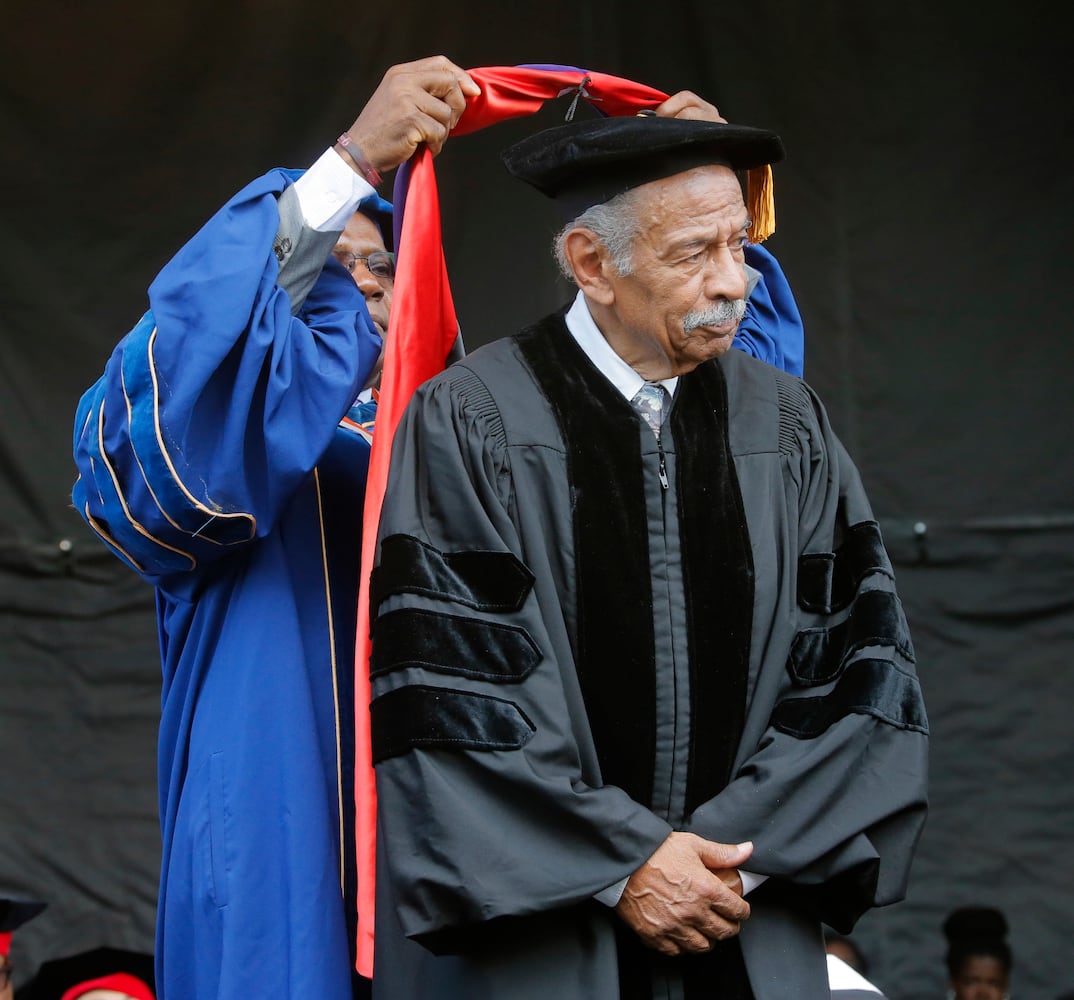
{"x":580,"y":322}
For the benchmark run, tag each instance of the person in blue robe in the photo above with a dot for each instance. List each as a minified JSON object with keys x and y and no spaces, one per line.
{"x":221,"y":457}
{"x":256,"y":576}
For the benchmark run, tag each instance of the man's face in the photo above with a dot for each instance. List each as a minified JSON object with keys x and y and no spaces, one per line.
{"x":685,"y":296}
{"x":7,"y":988}
{"x":360,"y":239}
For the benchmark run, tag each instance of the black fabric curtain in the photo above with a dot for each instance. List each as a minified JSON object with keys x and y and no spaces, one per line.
{"x":924,"y":216}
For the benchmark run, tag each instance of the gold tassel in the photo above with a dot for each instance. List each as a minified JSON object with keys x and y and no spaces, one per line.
{"x":761,"y":203}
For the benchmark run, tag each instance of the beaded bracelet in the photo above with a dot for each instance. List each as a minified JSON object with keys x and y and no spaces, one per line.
{"x":365,"y":168}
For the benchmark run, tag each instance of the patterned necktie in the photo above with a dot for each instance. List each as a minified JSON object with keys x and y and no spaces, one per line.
{"x":649,"y":402}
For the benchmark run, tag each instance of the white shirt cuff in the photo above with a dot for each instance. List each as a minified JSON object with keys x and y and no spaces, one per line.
{"x":750,"y":881}
{"x":612,"y":895}
{"x":329,"y":192}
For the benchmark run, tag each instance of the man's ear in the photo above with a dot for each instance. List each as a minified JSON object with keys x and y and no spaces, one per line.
{"x":590,"y":265}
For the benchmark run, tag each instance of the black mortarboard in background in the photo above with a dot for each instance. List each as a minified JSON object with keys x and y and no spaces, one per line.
{"x":589,"y":162}
{"x":13,"y":914}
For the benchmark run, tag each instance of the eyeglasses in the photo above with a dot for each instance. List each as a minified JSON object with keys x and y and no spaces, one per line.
{"x":381,"y":263}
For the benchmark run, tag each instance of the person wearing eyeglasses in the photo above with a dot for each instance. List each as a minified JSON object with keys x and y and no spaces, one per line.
{"x":222,"y":458}
{"x":361,"y":251}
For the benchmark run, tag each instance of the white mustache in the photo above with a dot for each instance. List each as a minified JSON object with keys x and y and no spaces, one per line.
{"x":723,"y":312}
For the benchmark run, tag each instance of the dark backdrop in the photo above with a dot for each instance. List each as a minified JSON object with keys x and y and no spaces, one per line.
{"x":924,"y":218}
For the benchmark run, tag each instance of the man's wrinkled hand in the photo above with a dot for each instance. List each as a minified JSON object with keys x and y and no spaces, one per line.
{"x":414,"y":103}
{"x":680,"y":901}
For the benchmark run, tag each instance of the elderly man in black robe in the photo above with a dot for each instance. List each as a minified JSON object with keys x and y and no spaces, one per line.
{"x":644,"y":708}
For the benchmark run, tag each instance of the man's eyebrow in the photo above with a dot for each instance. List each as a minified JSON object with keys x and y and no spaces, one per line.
{"x":698,"y":242}
{"x":686,"y":244}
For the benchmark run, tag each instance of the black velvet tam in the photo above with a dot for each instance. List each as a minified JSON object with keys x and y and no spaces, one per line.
{"x":589,"y":162}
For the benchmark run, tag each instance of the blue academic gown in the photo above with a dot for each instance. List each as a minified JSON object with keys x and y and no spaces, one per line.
{"x":218,"y":458}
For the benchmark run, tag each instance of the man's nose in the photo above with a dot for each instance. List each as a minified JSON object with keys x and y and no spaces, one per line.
{"x":725,"y":276}
{"x":367,"y":283}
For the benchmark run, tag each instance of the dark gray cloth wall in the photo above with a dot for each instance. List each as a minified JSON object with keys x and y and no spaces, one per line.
{"x":924,"y":221}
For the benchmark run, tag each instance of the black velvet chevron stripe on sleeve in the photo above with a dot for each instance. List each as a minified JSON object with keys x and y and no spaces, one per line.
{"x":877,"y":619}
{"x":828,"y":581}
{"x":452,"y":644}
{"x":418,"y":716}
{"x":868,"y":687}
{"x":485,"y":581}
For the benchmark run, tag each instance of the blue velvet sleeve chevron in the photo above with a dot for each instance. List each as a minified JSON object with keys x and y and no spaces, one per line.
{"x":218,"y":402}
{"x":772,"y":328}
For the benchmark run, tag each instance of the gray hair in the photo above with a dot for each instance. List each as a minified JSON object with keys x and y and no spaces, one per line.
{"x":615,"y":225}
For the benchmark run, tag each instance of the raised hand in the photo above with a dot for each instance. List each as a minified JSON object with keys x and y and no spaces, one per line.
{"x":415,"y":102}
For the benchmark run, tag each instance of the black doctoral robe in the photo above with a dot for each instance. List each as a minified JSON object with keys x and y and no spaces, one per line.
{"x":585,"y":639}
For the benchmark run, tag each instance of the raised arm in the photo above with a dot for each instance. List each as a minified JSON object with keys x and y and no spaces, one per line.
{"x":226,"y":393}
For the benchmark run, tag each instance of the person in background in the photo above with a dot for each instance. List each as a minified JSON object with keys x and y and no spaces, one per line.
{"x":14,"y":912}
{"x":124,"y":972}
{"x":979,"y":959}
